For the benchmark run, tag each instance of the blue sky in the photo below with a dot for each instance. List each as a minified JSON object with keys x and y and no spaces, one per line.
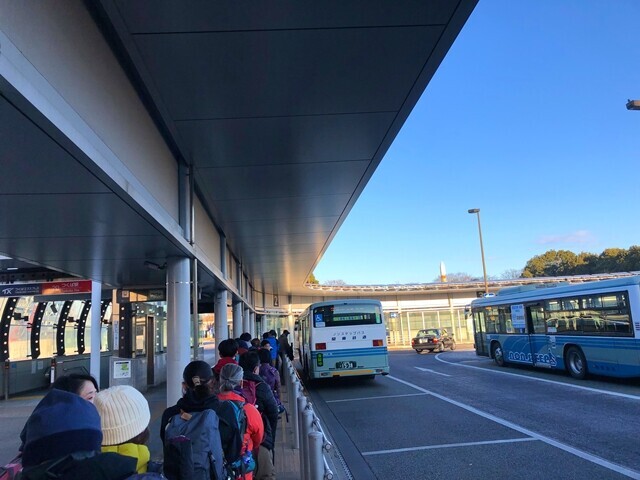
{"x":526,"y":120}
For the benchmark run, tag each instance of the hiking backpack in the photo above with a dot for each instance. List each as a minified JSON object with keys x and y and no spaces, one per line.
{"x":233,"y":426}
{"x":193,"y":447}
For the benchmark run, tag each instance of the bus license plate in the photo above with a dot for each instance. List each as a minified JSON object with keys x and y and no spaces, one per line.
{"x":345,"y":365}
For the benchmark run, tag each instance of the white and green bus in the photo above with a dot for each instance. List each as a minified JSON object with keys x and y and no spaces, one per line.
{"x":342,"y":338}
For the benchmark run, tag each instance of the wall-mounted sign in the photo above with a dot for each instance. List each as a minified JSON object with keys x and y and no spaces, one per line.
{"x":47,"y":288}
{"x":20,"y":290}
{"x":74,"y":286}
{"x":142,"y":295}
{"x":122,"y":369}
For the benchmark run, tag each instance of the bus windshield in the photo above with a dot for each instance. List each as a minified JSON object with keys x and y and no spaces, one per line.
{"x":345,"y":315}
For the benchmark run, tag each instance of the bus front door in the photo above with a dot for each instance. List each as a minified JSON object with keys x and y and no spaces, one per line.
{"x":542,"y":344}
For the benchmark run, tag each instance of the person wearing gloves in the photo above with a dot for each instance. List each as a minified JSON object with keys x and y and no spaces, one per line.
{"x":124,"y":416}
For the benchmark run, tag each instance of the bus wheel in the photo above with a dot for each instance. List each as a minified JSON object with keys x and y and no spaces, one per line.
{"x":576,"y":363}
{"x":498,"y":354}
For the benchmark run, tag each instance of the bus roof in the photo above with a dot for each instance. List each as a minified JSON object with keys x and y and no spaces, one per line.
{"x":533,"y":291}
{"x":341,"y":301}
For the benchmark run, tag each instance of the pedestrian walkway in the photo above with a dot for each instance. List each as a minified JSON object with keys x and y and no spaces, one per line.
{"x":15,"y":411}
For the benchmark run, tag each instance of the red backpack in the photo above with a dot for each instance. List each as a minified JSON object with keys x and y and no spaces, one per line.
{"x":249,"y":391}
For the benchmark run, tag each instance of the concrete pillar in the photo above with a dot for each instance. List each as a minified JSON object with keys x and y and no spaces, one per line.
{"x":247,"y":325}
{"x":247,"y":317}
{"x":252,"y":324}
{"x":96,"y":329}
{"x":220,"y":319}
{"x":237,"y":320}
{"x":178,"y":325}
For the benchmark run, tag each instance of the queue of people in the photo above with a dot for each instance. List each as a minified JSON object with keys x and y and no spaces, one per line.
{"x":223,"y":427}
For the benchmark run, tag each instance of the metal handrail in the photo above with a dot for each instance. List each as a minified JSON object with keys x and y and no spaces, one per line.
{"x":309,"y":436}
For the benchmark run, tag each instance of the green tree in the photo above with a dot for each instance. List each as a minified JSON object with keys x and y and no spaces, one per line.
{"x":611,"y":260}
{"x":312,"y":279}
{"x":632,"y":259}
{"x":552,"y":263}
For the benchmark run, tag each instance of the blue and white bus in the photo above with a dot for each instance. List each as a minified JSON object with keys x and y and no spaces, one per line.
{"x":342,"y":338}
{"x":583,"y":328}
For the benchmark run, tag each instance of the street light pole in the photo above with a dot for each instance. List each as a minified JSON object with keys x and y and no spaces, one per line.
{"x":484,"y":268}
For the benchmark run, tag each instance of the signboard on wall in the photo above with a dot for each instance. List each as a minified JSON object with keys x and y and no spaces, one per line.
{"x":47,"y":288}
{"x":142,"y":295}
{"x":122,"y":369}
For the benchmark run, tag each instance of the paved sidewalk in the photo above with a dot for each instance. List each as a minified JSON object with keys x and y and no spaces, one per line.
{"x":15,"y":411}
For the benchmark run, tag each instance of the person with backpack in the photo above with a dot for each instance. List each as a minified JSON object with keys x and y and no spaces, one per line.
{"x":124,"y":416}
{"x":259,"y":392}
{"x":190,"y":430}
{"x":270,"y":375}
{"x":230,"y":387}
{"x":63,"y":439}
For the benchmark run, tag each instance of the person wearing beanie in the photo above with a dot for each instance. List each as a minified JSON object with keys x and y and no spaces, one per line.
{"x":230,"y":386}
{"x":80,"y":384}
{"x":62,"y":424}
{"x":198,"y":386}
{"x":124,"y":416}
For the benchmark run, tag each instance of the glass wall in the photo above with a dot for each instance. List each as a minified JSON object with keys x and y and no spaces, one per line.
{"x":403,"y":326}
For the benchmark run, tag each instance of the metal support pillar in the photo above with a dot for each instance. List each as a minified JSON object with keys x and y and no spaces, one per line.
{"x":220,"y":319}
{"x":178,"y":325}
{"x":96,"y":329}
{"x":237,"y":320}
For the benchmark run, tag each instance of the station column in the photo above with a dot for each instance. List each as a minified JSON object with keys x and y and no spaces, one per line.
{"x":220,"y":319}
{"x":247,"y":325}
{"x":237,"y":320}
{"x":96,"y":330}
{"x":178,"y":325}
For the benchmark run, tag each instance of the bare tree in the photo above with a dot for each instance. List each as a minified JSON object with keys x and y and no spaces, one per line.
{"x":459,"y":277}
{"x":511,"y":273}
{"x":335,"y":283}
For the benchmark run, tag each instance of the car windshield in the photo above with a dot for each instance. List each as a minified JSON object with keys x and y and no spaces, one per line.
{"x":427,"y":333}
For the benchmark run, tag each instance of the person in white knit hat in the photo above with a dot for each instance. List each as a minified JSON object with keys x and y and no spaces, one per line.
{"x":124,"y":417}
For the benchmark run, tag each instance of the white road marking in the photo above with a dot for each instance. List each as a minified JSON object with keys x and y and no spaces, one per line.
{"x":450,"y":445}
{"x":432,"y":371}
{"x":554,"y":443}
{"x":375,"y":398}
{"x":544,"y":380}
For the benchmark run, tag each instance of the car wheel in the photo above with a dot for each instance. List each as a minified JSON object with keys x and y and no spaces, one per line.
{"x":576,"y":363}
{"x":452,"y":346}
{"x":418,"y":350}
{"x":498,"y":354}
